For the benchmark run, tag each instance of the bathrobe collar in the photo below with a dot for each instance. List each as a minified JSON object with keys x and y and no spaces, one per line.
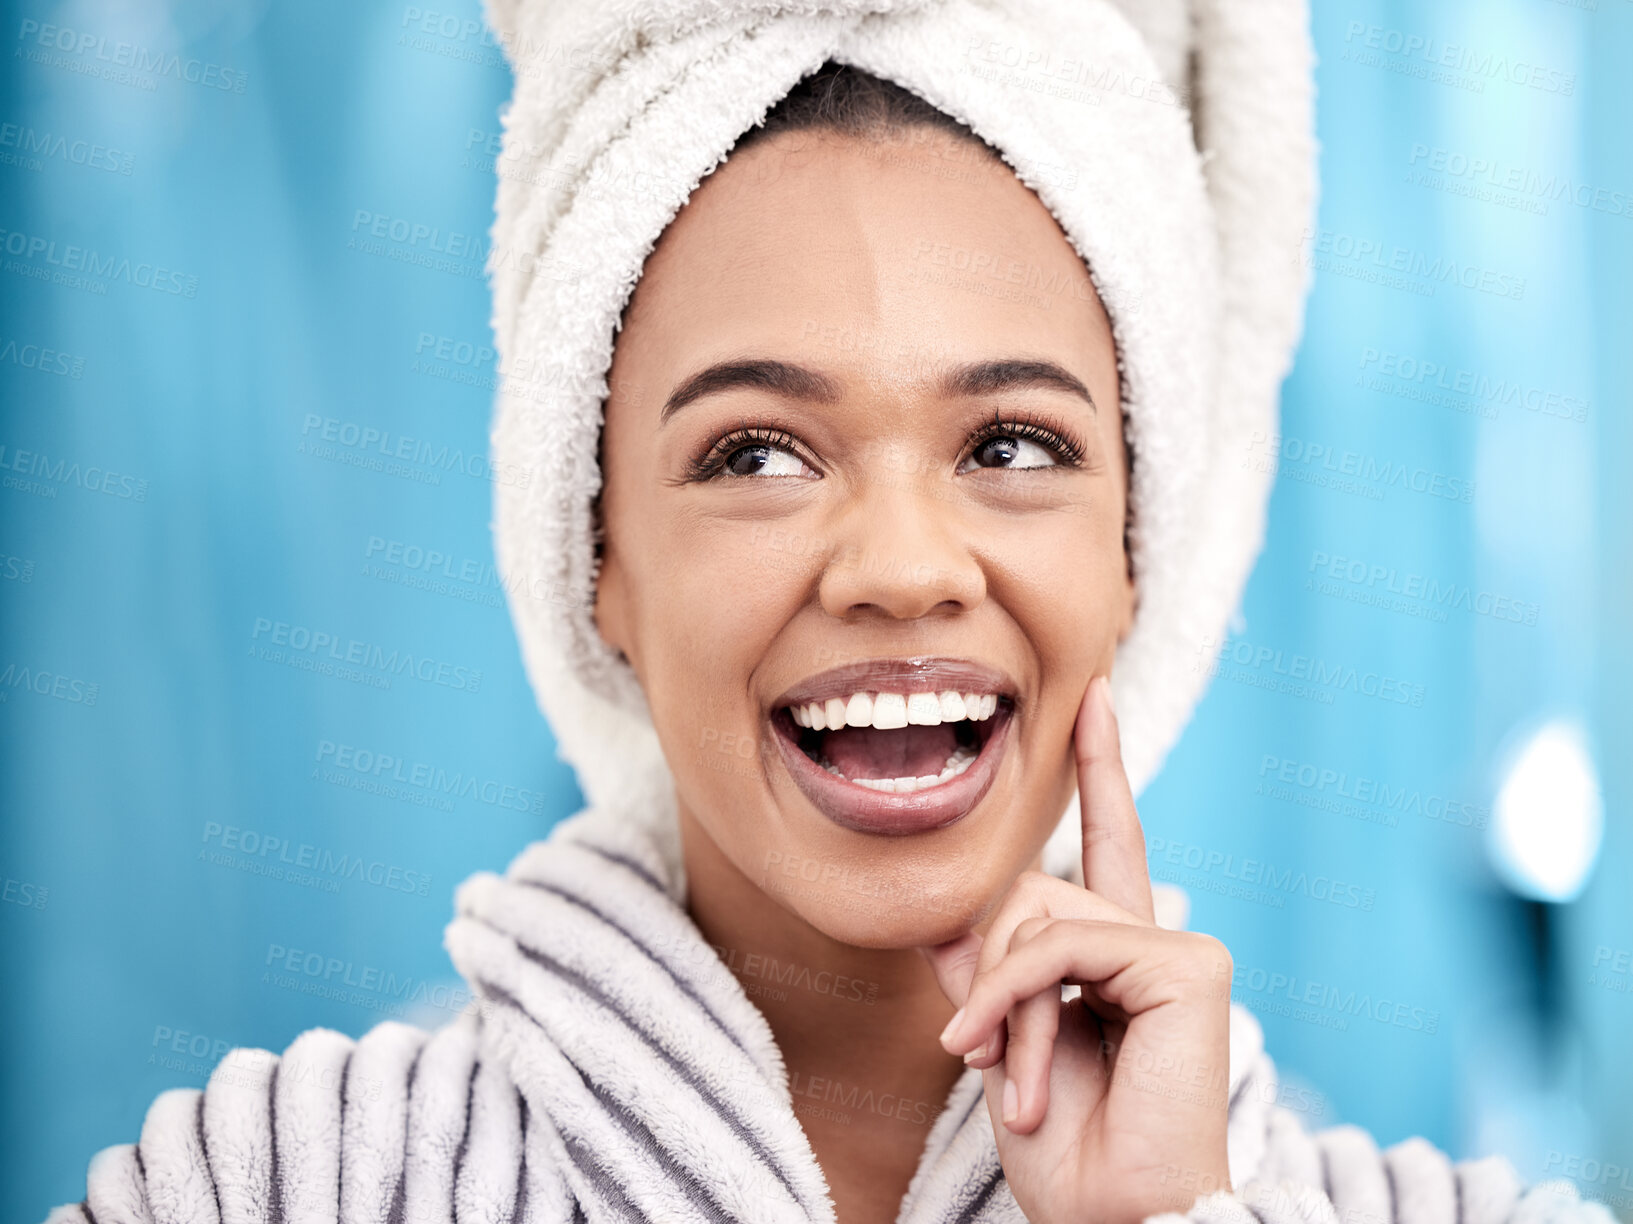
{"x":625,"y":1030}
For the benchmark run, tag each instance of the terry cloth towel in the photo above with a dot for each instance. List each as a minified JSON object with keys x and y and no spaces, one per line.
{"x":1171,"y":139}
{"x":614,"y":1068}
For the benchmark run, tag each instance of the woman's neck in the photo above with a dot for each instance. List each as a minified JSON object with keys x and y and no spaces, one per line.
{"x":858,"y":1029}
{"x":824,"y":1000}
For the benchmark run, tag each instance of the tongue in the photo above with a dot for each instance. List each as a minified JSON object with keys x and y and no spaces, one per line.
{"x":907,"y":752}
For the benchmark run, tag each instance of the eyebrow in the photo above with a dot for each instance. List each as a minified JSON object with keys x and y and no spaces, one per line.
{"x":802,"y":383}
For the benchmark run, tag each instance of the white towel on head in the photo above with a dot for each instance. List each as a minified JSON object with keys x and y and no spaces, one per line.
{"x":1171,"y":140}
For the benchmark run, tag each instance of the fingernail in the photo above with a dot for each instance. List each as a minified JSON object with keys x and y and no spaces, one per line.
{"x":1012,"y":1101}
{"x":980,"y":1051}
{"x":1105,"y":695}
{"x":952,"y":1025}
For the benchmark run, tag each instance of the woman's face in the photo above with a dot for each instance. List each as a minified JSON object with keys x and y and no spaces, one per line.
{"x":863,"y":451}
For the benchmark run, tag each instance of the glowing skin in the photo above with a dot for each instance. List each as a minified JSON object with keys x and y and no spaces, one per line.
{"x":878,"y":519}
{"x":724,"y":594}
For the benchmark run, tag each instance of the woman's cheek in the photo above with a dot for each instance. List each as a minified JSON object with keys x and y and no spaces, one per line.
{"x":737,"y":584}
{"x":714,"y":607}
{"x":1067,"y":593}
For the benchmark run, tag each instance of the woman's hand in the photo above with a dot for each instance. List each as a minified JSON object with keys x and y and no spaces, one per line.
{"x":1098,"y":1101}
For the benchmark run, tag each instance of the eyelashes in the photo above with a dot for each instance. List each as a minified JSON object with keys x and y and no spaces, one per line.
{"x":1068,"y":449}
{"x":712,"y":462}
{"x":1065,"y":445}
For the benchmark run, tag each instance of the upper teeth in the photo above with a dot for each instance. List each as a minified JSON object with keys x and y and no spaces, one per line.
{"x":887,"y":711}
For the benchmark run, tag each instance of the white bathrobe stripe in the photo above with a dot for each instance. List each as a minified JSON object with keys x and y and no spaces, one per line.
{"x":306,"y":1127}
{"x":238,"y":1134}
{"x":170,"y":1156}
{"x":438,"y":1120}
{"x":490,"y":1160}
{"x":116,"y":1187}
{"x":374,"y":1125}
{"x":594,"y":1022}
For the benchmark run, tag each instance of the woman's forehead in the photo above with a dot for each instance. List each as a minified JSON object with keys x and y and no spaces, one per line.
{"x":820,"y":246}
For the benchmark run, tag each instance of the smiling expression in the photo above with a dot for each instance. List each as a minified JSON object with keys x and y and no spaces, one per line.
{"x":863,"y":527}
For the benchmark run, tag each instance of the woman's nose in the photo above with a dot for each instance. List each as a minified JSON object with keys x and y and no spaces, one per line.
{"x":901,"y":551}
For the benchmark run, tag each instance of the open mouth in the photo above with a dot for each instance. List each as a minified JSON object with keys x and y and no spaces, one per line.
{"x":895,"y":762}
{"x":898,"y":743}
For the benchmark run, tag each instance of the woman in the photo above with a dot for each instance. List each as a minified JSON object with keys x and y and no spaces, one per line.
{"x":822,"y":591}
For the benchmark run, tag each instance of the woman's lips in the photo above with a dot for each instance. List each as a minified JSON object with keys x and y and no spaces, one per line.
{"x":865,"y":810}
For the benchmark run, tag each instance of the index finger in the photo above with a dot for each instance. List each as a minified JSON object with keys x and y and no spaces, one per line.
{"x":1114,"y":863}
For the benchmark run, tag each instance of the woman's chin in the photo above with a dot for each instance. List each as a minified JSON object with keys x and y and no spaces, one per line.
{"x":890,"y":928}
{"x":879,"y":892}
{"x":879,"y":912}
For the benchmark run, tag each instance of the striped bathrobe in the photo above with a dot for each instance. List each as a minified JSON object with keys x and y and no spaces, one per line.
{"x":615,"y":1069}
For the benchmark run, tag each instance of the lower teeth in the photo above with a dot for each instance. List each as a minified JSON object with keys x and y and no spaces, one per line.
{"x":961,"y":759}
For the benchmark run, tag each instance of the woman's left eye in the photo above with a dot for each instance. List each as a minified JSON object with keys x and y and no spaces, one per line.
{"x":763,"y":459}
{"x":1007,"y":451}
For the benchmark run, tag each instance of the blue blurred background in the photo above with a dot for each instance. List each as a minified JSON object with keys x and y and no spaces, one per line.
{"x":196,"y":319}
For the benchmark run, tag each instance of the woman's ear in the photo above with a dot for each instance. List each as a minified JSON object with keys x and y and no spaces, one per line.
{"x":612,"y":602}
{"x":611,"y":588}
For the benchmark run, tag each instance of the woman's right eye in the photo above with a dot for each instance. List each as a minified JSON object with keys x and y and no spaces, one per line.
{"x":751,"y":451}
